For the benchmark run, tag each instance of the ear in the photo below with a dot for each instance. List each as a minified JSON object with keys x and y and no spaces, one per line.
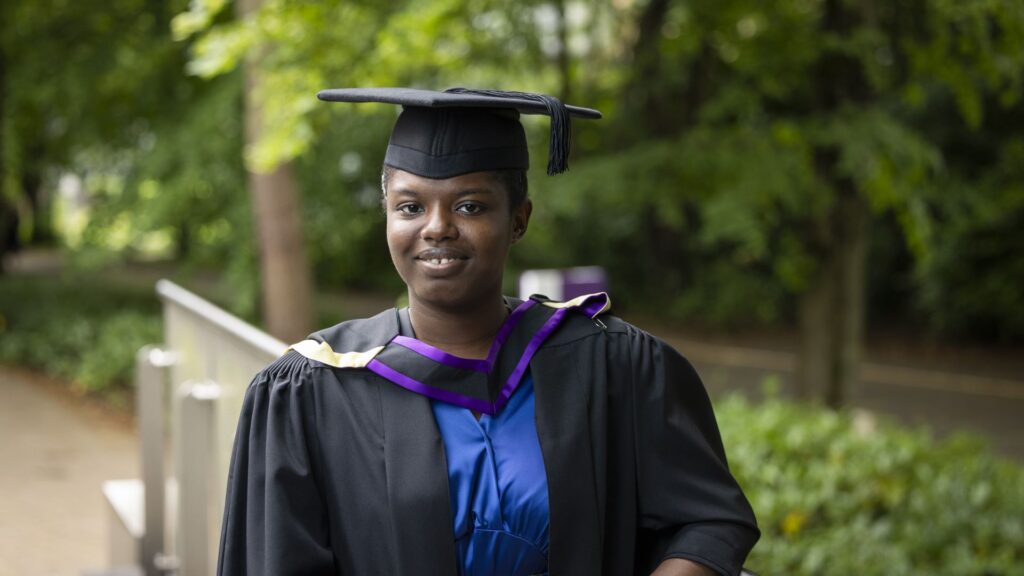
{"x":521,"y":220}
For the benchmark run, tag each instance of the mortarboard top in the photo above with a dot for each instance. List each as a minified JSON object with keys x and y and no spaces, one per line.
{"x":461,"y":130}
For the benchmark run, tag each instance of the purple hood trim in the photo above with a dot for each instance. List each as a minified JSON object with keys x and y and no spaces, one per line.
{"x":485,"y":366}
{"x":590,"y":307}
{"x":413,"y":385}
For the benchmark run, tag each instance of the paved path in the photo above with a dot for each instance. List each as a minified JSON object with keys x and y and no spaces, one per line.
{"x":55,"y":454}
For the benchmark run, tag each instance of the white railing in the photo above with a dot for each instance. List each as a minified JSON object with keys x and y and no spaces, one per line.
{"x":169,"y":521}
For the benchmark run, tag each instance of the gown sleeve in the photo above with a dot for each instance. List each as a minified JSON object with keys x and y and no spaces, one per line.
{"x":690,"y":505}
{"x":274,"y":518}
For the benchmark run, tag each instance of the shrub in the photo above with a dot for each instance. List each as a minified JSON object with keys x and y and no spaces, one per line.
{"x":838,"y":493}
{"x":85,"y":331}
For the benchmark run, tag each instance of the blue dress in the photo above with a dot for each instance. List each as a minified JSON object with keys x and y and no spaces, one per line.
{"x":499,"y":490}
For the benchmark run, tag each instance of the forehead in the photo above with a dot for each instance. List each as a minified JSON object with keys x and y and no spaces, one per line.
{"x":402,"y":182}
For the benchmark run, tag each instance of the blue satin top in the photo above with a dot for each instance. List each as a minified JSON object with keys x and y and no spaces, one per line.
{"x":499,"y":490}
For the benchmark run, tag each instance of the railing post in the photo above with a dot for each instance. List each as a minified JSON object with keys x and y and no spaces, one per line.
{"x":210,"y":345}
{"x":195,"y":469}
{"x":151,"y":376}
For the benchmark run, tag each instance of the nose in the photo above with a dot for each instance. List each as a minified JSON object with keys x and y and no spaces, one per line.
{"x":439,"y":225}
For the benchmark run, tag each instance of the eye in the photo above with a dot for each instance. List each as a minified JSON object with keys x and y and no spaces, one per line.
{"x":470,"y":208}
{"x":409,"y":208}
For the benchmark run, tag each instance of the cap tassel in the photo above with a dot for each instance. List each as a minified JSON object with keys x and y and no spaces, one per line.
{"x":561,"y":123}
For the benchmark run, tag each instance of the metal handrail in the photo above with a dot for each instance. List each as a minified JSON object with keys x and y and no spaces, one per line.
{"x":171,"y":292}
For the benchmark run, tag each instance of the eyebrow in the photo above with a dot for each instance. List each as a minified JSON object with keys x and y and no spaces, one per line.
{"x":461,"y":193}
{"x":470,"y":191}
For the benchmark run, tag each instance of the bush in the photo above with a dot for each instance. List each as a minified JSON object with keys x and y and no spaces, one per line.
{"x":837,"y":493}
{"x":85,"y":331}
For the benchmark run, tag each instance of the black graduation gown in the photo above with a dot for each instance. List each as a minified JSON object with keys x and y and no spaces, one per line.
{"x":341,"y":471}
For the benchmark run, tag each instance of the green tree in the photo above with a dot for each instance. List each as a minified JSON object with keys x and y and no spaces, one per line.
{"x":754,"y":156}
{"x":297,"y":48}
{"x":284,"y":271}
{"x":99,"y":91}
{"x":785,"y":129}
{"x":79,"y":80}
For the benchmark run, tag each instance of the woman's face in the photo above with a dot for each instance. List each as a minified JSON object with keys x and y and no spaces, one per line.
{"x":449,"y":238}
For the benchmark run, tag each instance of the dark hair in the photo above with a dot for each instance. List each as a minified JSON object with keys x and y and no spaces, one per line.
{"x":515,"y":183}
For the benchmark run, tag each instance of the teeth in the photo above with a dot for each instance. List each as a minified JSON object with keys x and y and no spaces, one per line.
{"x":440,"y":261}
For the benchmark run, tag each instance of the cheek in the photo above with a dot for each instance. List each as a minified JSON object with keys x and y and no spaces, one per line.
{"x":497,"y":243}
{"x":398,"y":241}
{"x":397,"y":233}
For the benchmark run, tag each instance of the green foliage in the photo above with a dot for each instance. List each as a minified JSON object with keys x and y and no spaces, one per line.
{"x":78,"y":80}
{"x":720,"y":223}
{"x":973,"y":278}
{"x":183,"y":195}
{"x":842,"y":494}
{"x":82,"y":330}
{"x":708,"y":191}
{"x":305,"y":46}
{"x":778,"y":109}
{"x":342,"y":204}
{"x":186,"y":181}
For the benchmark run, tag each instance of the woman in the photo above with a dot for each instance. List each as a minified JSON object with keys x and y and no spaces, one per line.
{"x":472,"y":433}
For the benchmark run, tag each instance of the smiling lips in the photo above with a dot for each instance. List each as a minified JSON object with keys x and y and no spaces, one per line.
{"x":441,"y":259}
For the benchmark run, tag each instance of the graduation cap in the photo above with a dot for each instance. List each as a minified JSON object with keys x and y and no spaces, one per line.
{"x":462,"y":130}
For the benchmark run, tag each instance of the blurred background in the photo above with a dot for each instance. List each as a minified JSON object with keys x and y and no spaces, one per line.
{"x":819,"y":202}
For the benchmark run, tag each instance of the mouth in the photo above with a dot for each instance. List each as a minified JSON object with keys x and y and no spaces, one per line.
{"x":441,"y":260}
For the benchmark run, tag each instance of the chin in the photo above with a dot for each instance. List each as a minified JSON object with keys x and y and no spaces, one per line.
{"x":439,"y":295}
{"x":449,"y":295}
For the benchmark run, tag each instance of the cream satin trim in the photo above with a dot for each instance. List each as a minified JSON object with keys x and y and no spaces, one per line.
{"x":322,"y":352}
{"x":580,"y":300}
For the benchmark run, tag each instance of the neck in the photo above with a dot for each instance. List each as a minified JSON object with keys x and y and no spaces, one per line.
{"x":467,"y":331}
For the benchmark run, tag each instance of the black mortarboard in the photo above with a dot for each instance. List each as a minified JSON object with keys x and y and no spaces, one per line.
{"x":461,"y":130}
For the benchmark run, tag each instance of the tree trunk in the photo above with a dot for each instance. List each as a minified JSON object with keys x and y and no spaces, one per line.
{"x":852,"y":264}
{"x":284,"y":269}
{"x":642,"y":99}
{"x":832,"y":310}
{"x":38,"y":225}
{"x":183,"y":241}
{"x":564,"y":62}
{"x":817,"y":333}
{"x":7,"y":222}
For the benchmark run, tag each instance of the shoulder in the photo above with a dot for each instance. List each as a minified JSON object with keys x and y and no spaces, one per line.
{"x":633,"y":335}
{"x":361,"y":334}
{"x":621,"y":339}
{"x":590,"y":316}
{"x":343,"y":345}
{"x":350,"y":344}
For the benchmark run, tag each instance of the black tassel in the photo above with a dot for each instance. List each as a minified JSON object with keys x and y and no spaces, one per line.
{"x":561,"y":123}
